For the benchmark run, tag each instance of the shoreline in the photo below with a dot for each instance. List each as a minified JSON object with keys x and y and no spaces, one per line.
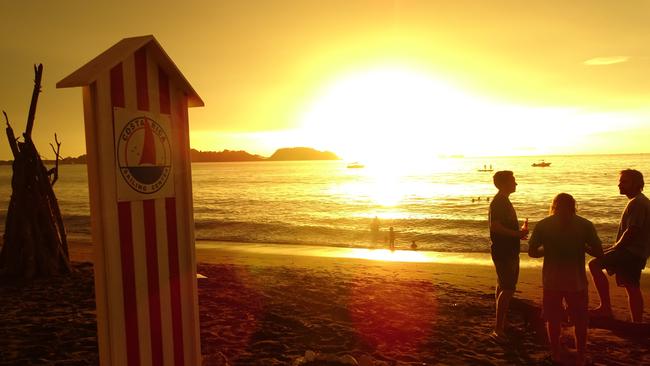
{"x":472,"y":271}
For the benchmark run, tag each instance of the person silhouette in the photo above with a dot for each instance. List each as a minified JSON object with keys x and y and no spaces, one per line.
{"x":562,"y":239}
{"x":391,"y":238}
{"x":374,"y":230}
{"x":505,"y":236}
{"x":628,"y":256}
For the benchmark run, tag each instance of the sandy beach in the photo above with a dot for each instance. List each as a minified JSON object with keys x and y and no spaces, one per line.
{"x":274,"y":304}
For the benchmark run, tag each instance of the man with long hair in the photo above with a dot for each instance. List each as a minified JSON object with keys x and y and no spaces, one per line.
{"x":505,"y":236}
{"x":562,"y":239}
{"x":628,"y":256}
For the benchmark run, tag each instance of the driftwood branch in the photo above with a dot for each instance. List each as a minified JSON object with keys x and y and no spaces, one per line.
{"x":35,"y":242}
{"x":38,"y":74}
{"x":55,"y":171}
{"x":13,"y":144}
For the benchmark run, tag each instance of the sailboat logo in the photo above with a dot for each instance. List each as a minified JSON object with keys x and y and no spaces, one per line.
{"x":144,"y":155}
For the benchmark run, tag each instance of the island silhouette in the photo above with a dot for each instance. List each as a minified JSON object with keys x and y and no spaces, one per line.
{"x":197,"y":156}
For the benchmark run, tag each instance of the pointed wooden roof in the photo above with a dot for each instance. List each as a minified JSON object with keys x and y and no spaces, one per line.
{"x":89,"y":72}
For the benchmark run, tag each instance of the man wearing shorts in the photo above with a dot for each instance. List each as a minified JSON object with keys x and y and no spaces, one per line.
{"x":562,"y":239}
{"x":505,"y":235}
{"x":628,"y":256}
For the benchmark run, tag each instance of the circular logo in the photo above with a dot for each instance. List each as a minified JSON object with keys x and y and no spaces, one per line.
{"x":144,"y":155}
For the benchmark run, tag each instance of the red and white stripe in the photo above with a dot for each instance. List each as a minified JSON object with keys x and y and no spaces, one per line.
{"x":145,"y":273}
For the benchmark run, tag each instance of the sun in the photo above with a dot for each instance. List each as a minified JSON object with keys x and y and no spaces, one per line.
{"x":390,"y":114}
{"x":395,"y":115}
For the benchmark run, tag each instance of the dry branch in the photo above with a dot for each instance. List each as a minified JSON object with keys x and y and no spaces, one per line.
{"x":13,"y":144}
{"x":38,"y":74}
{"x":54,"y":172}
{"x":34,"y":239}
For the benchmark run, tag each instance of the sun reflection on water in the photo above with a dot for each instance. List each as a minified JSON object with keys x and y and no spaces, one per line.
{"x":390,"y":183}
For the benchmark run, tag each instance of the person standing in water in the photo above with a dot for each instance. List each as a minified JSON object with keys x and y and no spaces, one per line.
{"x":391,"y":238}
{"x":374,"y":230}
{"x":505,"y":236}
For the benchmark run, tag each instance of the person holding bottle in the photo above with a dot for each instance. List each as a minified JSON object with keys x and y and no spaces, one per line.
{"x":505,"y":236}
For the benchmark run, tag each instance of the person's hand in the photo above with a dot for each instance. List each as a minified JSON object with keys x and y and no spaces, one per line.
{"x":523,"y":234}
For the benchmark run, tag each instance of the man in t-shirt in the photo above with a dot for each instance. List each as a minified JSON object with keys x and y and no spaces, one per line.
{"x":628,"y":256}
{"x":562,"y":239}
{"x":505,"y":235}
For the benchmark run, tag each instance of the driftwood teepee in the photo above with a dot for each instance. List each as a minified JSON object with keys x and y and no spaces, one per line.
{"x":34,"y":238}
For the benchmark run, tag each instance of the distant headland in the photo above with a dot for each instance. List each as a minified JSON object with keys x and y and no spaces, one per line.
{"x":283,"y":154}
{"x":301,"y":153}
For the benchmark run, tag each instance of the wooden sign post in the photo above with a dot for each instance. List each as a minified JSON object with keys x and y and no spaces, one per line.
{"x":137,"y":142}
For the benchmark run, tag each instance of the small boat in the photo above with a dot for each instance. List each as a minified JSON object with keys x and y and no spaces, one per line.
{"x":355,"y":165}
{"x":541,"y":164}
{"x":486,"y":168}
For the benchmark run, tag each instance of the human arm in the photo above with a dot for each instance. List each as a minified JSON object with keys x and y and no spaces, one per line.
{"x":535,"y":251}
{"x":498,"y":228}
{"x":535,"y":245}
{"x":635,"y":217}
{"x":631,"y":234}
{"x":503,"y":220}
{"x":594,"y":246}
{"x":595,"y":250}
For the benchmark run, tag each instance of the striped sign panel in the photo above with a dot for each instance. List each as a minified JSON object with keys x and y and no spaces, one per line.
{"x":145,"y":267}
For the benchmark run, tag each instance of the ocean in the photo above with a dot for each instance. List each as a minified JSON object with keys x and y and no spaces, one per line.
{"x":441,"y":205}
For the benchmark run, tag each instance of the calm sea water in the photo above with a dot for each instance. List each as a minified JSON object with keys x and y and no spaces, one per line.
{"x":326,"y":203}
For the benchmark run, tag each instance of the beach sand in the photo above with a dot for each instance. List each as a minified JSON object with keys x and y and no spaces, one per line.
{"x":264,"y":305}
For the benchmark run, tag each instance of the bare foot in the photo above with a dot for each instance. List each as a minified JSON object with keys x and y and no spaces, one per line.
{"x":498,"y":337}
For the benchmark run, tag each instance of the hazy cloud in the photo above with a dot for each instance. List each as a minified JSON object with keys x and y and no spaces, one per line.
{"x":599,"y":61}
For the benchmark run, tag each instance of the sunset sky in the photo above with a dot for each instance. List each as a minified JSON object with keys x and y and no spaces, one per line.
{"x":360,"y":78}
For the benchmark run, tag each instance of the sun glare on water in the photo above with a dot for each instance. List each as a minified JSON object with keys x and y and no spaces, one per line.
{"x":388,"y":185}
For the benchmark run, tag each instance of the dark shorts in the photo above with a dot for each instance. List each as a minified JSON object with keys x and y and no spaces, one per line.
{"x":507,"y":272}
{"x":576,"y":305}
{"x":625,"y":265}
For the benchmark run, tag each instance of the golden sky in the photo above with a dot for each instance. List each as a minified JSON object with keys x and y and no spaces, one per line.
{"x":358,"y":77}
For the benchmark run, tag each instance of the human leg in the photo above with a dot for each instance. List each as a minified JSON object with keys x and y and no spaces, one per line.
{"x":507,"y":275}
{"x":627,"y":267}
{"x":577,"y":303}
{"x":635,"y":301}
{"x":602,"y":287}
{"x":553,"y":311}
{"x":580,"y":332}
{"x":554,"y":329}
{"x":503,"y":303}
{"x":630,"y":278}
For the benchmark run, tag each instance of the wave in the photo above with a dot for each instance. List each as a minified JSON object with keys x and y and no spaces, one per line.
{"x":446,"y":234}
{"x":431,"y":234}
